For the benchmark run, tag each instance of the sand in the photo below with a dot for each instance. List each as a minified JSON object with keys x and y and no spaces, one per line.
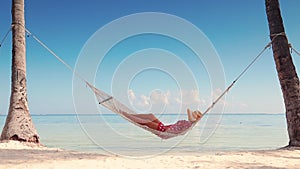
{"x":27,"y":156}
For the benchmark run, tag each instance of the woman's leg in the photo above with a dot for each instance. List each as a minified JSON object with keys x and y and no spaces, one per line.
{"x":145,"y":119}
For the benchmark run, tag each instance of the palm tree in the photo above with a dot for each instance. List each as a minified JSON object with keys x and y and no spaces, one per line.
{"x":18,"y":125}
{"x":287,"y":75}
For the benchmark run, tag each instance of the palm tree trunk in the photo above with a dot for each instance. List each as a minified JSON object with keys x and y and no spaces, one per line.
{"x":18,"y":125}
{"x":287,"y":75}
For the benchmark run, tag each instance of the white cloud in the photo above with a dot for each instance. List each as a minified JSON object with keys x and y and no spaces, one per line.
{"x":175,"y":102}
{"x":158,"y":97}
{"x":165,"y":101}
{"x":144,"y":100}
{"x":131,"y":95}
{"x":140,"y":102}
{"x":189,"y":97}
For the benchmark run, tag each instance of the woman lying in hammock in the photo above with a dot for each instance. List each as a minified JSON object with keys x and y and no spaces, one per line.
{"x":152,"y":122}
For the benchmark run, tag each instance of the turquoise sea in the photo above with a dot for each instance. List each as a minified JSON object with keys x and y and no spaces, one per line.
{"x":111,"y":134}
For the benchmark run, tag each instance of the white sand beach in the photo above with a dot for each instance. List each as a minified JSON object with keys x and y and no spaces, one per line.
{"x":15,"y":155}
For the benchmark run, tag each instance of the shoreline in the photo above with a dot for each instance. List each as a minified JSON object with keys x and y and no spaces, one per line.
{"x":16,"y":155}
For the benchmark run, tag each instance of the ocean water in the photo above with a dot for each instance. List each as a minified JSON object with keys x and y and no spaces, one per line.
{"x":111,"y":134}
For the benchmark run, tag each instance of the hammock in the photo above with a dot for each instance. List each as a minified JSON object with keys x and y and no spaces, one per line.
{"x":117,"y":107}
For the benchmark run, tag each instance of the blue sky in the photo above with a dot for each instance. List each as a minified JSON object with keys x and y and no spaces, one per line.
{"x":237,"y":29}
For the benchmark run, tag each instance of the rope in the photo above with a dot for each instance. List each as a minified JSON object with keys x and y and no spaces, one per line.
{"x":294,"y":50}
{"x":105,"y":100}
{"x":273,"y":37}
{"x":55,"y":55}
{"x":238,"y":77}
{"x":5,"y":37}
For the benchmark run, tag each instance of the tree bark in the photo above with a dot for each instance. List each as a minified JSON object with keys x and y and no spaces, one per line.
{"x":287,"y":75}
{"x":18,"y":125}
